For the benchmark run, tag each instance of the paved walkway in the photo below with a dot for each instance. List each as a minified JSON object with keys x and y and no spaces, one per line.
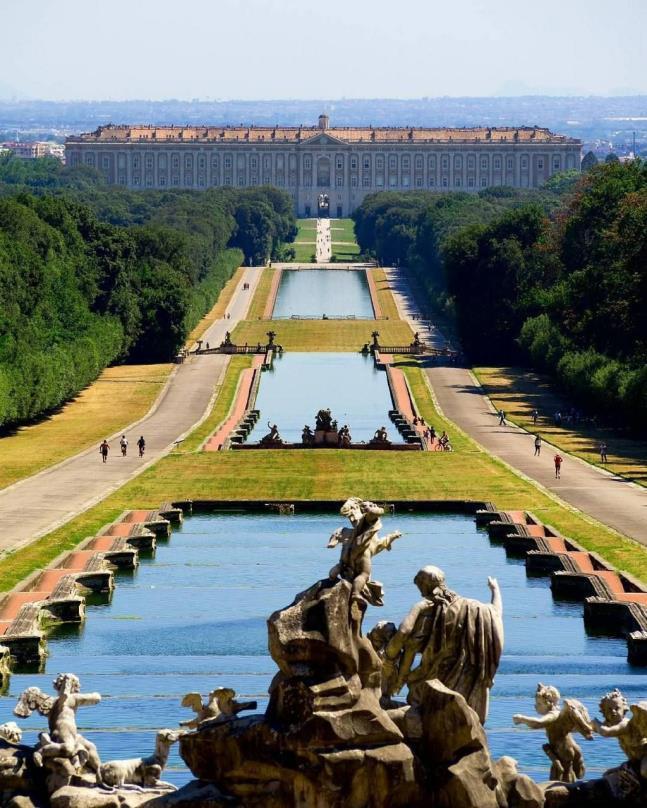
{"x":39,"y":504}
{"x":610,"y":499}
{"x":323,"y":247}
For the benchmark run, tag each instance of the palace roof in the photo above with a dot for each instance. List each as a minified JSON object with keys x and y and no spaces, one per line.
{"x":302,"y":134}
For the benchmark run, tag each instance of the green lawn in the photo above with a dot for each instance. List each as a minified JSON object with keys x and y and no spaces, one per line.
{"x":468,"y":473}
{"x":304,"y":253}
{"x":342,"y":230}
{"x":346,"y":253}
{"x":323,"y":335}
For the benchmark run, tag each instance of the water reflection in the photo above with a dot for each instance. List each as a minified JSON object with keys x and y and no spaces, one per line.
{"x":303,"y":383}
{"x":315,"y":292}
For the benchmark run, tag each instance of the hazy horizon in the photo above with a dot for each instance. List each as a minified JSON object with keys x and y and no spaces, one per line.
{"x":256,"y":50}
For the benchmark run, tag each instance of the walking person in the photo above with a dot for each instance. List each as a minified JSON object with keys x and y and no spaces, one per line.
{"x":124,"y":445}
{"x":141,"y":445}
{"x":558,"y":460}
{"x":104,"y":449}
{"x":535,"y":416}
{"x":501,"y":418}
{"x":537,"y":445}
{"x":603,"y":453}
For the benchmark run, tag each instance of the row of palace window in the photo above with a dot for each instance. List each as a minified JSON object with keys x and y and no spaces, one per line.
{"x":148,"y":180}
{"x":148,"y":163}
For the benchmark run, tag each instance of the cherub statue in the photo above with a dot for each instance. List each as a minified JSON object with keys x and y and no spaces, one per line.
{"x":359,"y":544}
{"x":559,"y":723}
{"x":63,"y":740}
{"x":631,"y":731}
{"x":221,"y":704}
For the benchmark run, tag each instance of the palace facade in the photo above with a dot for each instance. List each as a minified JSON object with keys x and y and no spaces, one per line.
{"x":325,"y":169}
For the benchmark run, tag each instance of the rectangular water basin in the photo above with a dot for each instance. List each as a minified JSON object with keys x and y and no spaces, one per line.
{"x":315,"y":293}
{"x":301,"y":384}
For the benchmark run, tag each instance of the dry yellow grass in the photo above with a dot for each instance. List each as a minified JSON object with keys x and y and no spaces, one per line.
{"x":518,"y":392}
{"x":257,"y":306}
{"x":119,"y":396}
{"x":384,"y":296}
{"x":219,"y":309}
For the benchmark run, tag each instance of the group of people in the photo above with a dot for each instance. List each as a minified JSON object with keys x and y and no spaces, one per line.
{"x":441,"y":444}
{"x":104,"y":448}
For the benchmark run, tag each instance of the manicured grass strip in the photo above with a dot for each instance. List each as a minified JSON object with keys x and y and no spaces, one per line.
{"x":346,"y":253}
{"x":518,"y":392}
{"x":306,"y":229}
{"x":257,"y":306}
{"x":323,"y":335}
{"x":120,"y":396}
{"x":221,"y":408}
{"x":342,"y":230}
{"x":384,"y":296}
{"x":219,"y":310}
{"x":304,"y":253}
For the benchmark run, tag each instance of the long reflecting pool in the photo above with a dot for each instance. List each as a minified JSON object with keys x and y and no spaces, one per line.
{"x":194,"y":618}
{"x":315,"y":292}
{"x":301,"y":384}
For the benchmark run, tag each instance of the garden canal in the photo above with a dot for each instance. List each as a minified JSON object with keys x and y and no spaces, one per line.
{"x":315,"y":293}
{"x":194,"y":618}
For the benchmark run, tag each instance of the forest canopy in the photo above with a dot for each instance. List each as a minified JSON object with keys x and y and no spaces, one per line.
{"x":91,"y":275}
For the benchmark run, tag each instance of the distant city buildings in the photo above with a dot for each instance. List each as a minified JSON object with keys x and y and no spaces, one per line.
{"x":31,"y":150}
{"x":321,"y":166}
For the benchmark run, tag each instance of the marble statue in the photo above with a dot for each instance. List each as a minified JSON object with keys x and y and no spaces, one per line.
{"x":359,"y":544}
{"x":142,"y":772}
{"x":381,"y":435}
{"x":10,"y":732}
{"x":630,"y":730}
{"x":272,"y":438}
{"x":459,"y":641}
{"x":63,"y":741}
{"x":559,"y":722}
{"x":323,"y":421}
{"x":307,"y":436}
{"x":344,"y":437}
{"x":221,"y":704}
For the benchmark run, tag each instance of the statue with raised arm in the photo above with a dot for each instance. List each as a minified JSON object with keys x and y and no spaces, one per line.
{"x":359,"y":544}
{"x":559,"y":722}
{"x":63,"y":741}
{"x":459,"y":641}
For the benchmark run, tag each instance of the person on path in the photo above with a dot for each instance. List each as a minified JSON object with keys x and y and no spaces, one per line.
{"x":537,"y":445}
{"x":535,"y":416}
{"x":141,"y":444}
{"x":124,"y":445}
{"x":558,"y":460}
{"x":603,"y":453}
{"x":501,"y":418}
{"x":104,"y":449}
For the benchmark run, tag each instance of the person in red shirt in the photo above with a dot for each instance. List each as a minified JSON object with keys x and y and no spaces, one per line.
{"x":558,"y":459}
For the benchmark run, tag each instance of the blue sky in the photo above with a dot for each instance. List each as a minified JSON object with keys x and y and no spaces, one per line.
{"x":264,"y":49}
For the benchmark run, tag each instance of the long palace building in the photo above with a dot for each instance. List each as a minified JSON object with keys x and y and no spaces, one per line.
{"x":323,"y":167}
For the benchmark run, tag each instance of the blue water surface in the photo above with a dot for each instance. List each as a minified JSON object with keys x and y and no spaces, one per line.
{"x":301,"y":384}
{"x":315,"y":292}
{"x":194,"y":618}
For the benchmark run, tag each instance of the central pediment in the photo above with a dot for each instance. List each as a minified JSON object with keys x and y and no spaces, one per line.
{"x":323,"y":139}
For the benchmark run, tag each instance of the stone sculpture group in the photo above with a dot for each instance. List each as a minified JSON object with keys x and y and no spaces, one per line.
{"x":334,"y":734}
